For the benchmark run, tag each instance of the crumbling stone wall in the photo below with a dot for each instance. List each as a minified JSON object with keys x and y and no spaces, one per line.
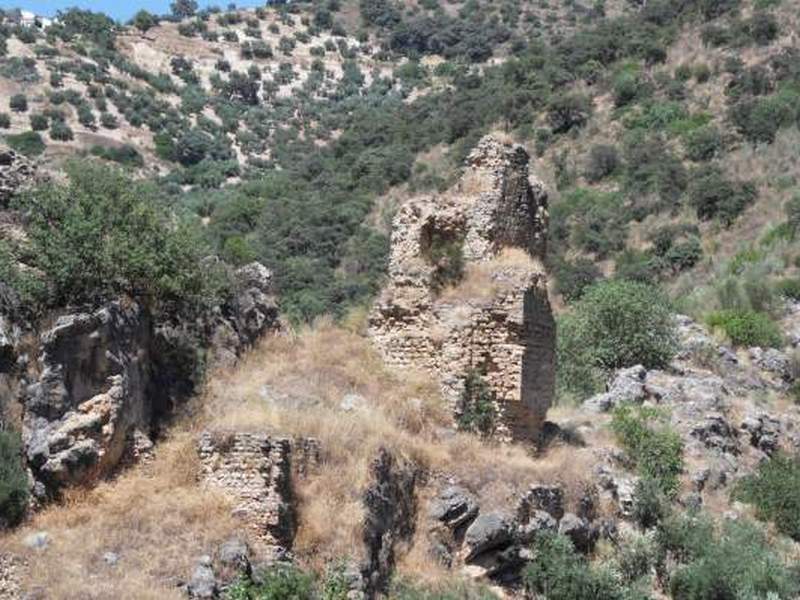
{"x":508,"y":334}
{"x":255,"y":470}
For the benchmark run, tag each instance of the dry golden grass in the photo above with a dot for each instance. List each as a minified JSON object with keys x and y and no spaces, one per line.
{"x":160,"y":520}
{"x":485,"y":280}
{"x":312,"y":371}
{"x":155,"y":517}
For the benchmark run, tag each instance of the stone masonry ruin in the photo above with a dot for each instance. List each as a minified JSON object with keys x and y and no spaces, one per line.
{"x":467,"y":291}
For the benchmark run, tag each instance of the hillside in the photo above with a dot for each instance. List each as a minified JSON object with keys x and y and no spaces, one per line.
{"x":423,"y":300}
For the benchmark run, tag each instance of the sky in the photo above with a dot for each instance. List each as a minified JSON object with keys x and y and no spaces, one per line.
{"x":117,"y":9}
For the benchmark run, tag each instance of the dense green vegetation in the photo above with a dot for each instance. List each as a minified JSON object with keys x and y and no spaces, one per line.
{"x":655,"y":449}
{"x":773,"y":491}
{"x":615,"y":324}
{"x":103,"y":235}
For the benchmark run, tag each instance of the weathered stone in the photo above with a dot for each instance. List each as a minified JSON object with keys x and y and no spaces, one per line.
{"x":38,"y":540}
{"x":549,"y":498}
{"x":488,"y":532}
{"x":716,"y":433}
{"x":764,"y":430}
{"x":627,"y":386}
{"x":390,"y":517}
{"x":506,"y":330}
{"x":16,"y":172}
{"x":454,"y":507}
{"x":255,"y":471}
{"x":579,"y":531}
{"x":233,"y":558}
{"x":203,"y":583}
{"x":539,"y":522}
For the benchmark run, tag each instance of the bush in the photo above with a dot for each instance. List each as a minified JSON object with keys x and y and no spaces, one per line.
{"x":477,"y":404}
{"x":746,"y":327}
{"x":568,"y":111}
{"x":275,"y":583}
{"x":792,"y":211}
{"x":13,"y":480}
{"x":60,"y":131}
{"x":714,"y":196}
{"x":740,"y":562}
{"x":573,"y":277}
{"x":773,"y":491}
{"x":102,"y":235}
{"x":558,"y":572}
{"x":29,"y":143}
{"x":602,"y":161}
{"x":625,"y":323}
{"x":788,"y":288}
{"x":5,"y":121}
{"x":38,"y":122}
{"x":704,"y":143}
{"x":18,"y":103}
{"x":656,"y":450}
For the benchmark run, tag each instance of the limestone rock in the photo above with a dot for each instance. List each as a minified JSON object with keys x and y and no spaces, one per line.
{"x":627,"y":386}
{"x":549,"y":498}
{"x":454,"y":506}
{"x":467,"y":290}
{"x":390,"y":517}
{"x":92,"y":393}
{"x":16,"y":171}
{"x":488,"y":532}
{"x":579,"y":531}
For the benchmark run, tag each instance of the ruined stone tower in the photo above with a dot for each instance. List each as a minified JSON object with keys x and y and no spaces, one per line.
{"x":467,"y":289}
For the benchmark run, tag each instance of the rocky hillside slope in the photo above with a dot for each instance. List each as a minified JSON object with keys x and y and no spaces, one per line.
{"x":279,"y":319}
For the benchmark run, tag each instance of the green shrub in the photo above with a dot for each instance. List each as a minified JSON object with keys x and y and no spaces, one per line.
{"x":18,"y":103}
{"x":714,"y":196}
{"x":102,"y":235}
{"x":635,"y":265}
{"x":38,"y":122}
{"x":788,"y":288}
{"x":125,"y":155}
{"x":559,"y":573}
{"x":5,"y":121}
{"x":13,"y":480}
{"x":603,"y":160}
{"x":573,"y":277}
{"x":568,"y":111}
{"x":656,"y":450}
{"x":738,"y":563}
{"x":29,"y":143}
{"x":477,"y":404}
{"x":792,"y":210}
{"x":704,"y":143}
{"x":650,"y":503}
{"x":626,"y":323}
{"x":773,"y":491}
{"x":60,"y":131}
{"x":275,"y":583}
{"x":746,"y":327}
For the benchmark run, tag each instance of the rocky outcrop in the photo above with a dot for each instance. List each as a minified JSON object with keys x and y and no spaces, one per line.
{"x":390,"y":516}
{"x":91,"y":395}
{"x":105,"y":379}
{"x":16,"y":171}
{"x":467,"y":292}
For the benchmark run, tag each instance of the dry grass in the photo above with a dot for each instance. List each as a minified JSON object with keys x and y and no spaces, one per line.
{"x":308,"y":374}
{"x":159,"y":520}
{"x":485,"y":280}
{"x":154,"y":517}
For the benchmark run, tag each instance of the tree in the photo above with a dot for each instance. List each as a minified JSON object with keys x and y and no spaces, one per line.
{"x":143,"y":21}
{"x":184,"y":8}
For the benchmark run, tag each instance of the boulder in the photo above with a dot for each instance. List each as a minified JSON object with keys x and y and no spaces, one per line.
{"x":491,"y":531}
{"x":578,"y":530}
{"x":203,"y":583}
{"x":628,"y":385}
{"x":454,"y":507}
{"x":539,"y":522}
{"x":549,"y":498}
